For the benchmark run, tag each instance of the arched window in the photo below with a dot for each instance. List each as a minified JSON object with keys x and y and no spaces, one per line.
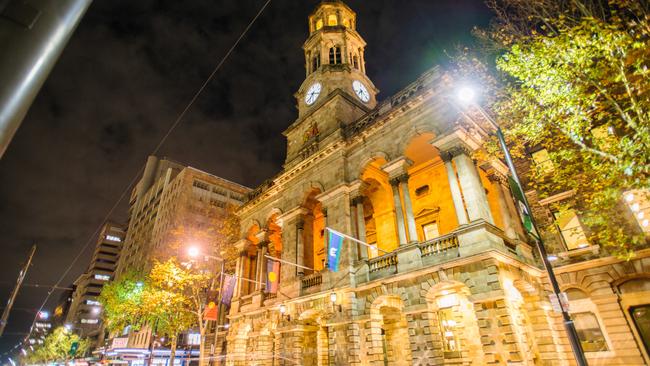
{"x":335,"y":55}
{"x":634,"y":285}
{"x":584,"y":314}
{"x":332,"y":20}
{"x":355,"y":62}
{"x":315,"y":63}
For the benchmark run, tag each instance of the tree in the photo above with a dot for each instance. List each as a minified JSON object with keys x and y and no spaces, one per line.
{"x":57,"y":346}
{"x":122,"y":301}
{"x":175,"y":301}
{"x":574,"y":79}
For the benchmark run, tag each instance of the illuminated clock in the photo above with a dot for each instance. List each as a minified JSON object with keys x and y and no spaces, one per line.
{"x":361,"y":91}
{"x":312,"y":93}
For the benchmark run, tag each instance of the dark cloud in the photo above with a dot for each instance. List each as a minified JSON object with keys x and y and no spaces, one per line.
{"x":132,"y":66}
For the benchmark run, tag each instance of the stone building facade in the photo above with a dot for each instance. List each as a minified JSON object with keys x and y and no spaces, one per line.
{"x":450,"y":279}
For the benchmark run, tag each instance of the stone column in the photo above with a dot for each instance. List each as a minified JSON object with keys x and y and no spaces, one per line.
{"x":472,"y":187}
{"x":456,"y":195}
{"x":300,"y":247}
{"x":261,"y":265}
{"x":408,"y":207}
{"x":508,"y":222}
{"x":241,"y":263}
{"x":361,"y":227}
{"x":401,"y":231}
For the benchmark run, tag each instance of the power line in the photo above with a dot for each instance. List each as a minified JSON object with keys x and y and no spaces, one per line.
{"x":135,"y":178}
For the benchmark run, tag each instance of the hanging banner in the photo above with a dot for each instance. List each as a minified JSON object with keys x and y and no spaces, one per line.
{"x":334,"y":250}
{"x":211,"y":309}
{"x":228,"y":288}
{"x":525,"y":216}
{"x":273,"y":276}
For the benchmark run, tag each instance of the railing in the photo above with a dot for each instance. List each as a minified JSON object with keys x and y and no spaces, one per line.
{"x":311,"y":280}
{"x":439,"y":245}
{"x":383,"y":262}
{"x":270,"y":295}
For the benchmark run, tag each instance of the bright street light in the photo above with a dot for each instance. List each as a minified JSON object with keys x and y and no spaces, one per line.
{"x":466,"y":94}
{"x":43,"y":314}
{"x":193,"y":252}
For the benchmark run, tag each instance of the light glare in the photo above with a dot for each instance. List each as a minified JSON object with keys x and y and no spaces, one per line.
{"x":466,"y":94}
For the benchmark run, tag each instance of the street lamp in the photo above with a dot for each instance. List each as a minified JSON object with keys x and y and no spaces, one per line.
{"x":43,"y":314}
{"x":466,"y":95}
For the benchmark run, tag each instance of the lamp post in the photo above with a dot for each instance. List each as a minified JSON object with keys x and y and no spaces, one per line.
{"x":196,"y":252}
{"x":466,"y":96}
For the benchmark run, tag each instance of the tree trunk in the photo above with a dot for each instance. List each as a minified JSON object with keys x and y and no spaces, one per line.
{"x":172,"y":351}
{"x":202,"y":346}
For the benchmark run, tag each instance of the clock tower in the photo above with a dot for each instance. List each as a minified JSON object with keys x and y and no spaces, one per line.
{"x":336,"y":89}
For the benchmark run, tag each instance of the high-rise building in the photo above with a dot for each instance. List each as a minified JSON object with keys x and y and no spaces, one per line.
{"x":84,"y":313}
{"x":450,"y":275}
{"x":171,"y":209}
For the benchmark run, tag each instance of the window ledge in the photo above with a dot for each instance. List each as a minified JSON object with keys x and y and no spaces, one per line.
{"x":591,"y":249}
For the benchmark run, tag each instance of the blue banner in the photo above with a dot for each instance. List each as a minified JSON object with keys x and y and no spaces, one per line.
{"x":334,"y":251}
{"x":228,"y":288}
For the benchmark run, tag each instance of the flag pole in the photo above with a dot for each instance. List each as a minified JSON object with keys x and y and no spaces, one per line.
{"x":287,"y":262}
{"x":355,"y":240}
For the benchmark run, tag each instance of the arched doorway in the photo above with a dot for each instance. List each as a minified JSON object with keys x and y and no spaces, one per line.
{"x":249,"y":265}
{"x":314,"y":232}
{"x":315,"y":340}
{"x":378,"y":208}
{"x":390,"y":336}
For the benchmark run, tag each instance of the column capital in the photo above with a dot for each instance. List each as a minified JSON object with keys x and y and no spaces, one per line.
{"x":459,"y":137}
{"x":357,"y":188}
{"x":496,"y":170}
{"x":397,"y":167}
{"x":300,"y":224}
{"x":356,"y":200}
{"x":242,"y":244}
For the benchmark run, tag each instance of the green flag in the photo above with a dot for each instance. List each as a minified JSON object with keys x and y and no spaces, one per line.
{"x":73,"y":348}
{"x":518,"y":194}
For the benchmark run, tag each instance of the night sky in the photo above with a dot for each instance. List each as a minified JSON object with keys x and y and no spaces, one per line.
{"x":130,"y":69}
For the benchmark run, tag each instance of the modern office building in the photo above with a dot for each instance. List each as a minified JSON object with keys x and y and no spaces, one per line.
{"x":84,"y":313}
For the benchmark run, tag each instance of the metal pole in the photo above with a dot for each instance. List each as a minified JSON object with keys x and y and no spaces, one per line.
{"x":14,"y":293}
{"x":356,"y":240}
{"x":287,"y":262}
{"x":32,"y":37}
{"x":574,"y":340}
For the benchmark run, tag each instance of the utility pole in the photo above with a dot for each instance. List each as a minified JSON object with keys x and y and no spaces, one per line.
{"x":14,"y":293}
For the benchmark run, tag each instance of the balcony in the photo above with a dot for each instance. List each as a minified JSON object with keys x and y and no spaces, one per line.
{"x":311,"y":283}
{"x":465,"y":241}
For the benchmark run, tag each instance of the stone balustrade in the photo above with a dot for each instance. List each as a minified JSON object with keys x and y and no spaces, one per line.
{"x":439,"y":245}
{"x":309,"y":281}
{"x":382,"y":262}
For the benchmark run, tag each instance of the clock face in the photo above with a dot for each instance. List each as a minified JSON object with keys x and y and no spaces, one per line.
{"x":361,"y":91}
{"x":312,"y":93}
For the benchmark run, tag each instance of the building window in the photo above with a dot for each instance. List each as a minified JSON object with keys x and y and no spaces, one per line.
{"x":449,"y":330}
{"x":113,"y":238}
{"x":93,"y":302}
{"x":588,"y":328}
{"x":102,"y":277}
{"x":201,"y":185}
{"x":570,"y":229}
{"x":638,"y":201}
{"x":430,"y":231}
{"x":315,"y":63}
{"x":641,"y":317}
{"x":355,"y":62}
{"x":332,"y":20}
{"x":583,"y":311}
{"x":89,"y":321}
{"x":543,"y":162}
{"x":335,"y":55}
{"x":319,"y":24}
